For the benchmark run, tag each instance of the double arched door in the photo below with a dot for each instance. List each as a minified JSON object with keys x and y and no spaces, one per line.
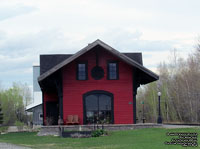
{"x":98,"y":107}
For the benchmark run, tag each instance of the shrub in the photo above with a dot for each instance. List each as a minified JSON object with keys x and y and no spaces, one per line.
{"x":98,"y":132}
{"x":3,"y":128}
{"x":19,"y":125}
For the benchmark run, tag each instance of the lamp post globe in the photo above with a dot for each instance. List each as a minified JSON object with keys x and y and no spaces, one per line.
{"x":159,"y":121}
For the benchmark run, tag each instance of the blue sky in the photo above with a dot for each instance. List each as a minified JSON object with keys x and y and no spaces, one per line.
{"x":34,"y":27}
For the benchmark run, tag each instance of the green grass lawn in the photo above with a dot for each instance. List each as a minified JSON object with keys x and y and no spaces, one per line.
{"x":151,"y":138}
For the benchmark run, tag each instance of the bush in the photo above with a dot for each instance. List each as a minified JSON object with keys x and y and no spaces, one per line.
{"x":98,"y":133}
{"x":3,"y":128}
{"x":19,"y":125}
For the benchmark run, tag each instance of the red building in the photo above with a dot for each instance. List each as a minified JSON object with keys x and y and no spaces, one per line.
{"x":98,"y":83}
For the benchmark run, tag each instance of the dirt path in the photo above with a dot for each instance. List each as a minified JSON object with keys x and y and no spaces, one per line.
{"x":11,"y":146}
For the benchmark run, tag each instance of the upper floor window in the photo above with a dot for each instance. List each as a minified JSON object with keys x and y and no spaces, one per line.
{"x":82,"y":73}
{"x":113,"y":71}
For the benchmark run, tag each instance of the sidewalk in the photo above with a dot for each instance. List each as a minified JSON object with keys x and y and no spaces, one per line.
{"x":178,"y":126}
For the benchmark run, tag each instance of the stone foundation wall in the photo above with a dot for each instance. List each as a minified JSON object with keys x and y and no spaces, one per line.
{"x":55,"y":130}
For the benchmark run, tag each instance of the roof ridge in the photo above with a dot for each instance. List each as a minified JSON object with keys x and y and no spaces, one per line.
{"x":91,"y":46}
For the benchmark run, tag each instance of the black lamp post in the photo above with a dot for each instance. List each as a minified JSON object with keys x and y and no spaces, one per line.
{"x":143,"y":119}
{"x":159,"y":121}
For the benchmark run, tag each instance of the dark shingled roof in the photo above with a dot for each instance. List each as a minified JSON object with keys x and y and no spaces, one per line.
{"x":135,"y":56}
{"x":145,"y":74}
{"x":49,"y":61}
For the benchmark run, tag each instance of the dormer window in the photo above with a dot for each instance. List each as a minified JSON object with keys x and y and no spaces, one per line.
{"x":112,"y":70}
{"x":82,"y":72}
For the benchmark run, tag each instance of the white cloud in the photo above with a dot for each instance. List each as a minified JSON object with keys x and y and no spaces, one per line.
{"x":154,"y":27}
{"x":17,"y":54}
{"x":10,"y":11}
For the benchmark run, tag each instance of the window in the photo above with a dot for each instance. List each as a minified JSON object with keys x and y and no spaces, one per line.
{"x":82,"y":73}
{"x":40,"y":116}
{"x":98,"y":107}
{"x":113,"y":71}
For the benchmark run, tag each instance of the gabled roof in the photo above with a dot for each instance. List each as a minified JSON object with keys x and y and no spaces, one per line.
{"x":37,"y":98}
{"x":49,"y":61}
{"x":121,"y":56}
{"x":29,"y":108}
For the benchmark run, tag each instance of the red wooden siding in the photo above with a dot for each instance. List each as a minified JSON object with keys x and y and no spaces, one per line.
{"x":48,"y":97}
{"x":122,"y":89}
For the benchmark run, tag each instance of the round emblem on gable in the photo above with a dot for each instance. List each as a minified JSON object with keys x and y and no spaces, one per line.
{"x":97,"y":72}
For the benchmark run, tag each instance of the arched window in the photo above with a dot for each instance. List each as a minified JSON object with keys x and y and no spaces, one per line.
{"x":98,"y":107}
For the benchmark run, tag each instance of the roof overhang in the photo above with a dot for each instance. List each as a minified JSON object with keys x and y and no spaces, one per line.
{"x":37,"y":101}
{"x":151,"y":76}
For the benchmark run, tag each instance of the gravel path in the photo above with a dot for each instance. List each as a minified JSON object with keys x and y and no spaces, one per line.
{"x":11,"y":146}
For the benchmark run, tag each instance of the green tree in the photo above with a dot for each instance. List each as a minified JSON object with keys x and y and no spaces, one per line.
{"x":13,"y":104}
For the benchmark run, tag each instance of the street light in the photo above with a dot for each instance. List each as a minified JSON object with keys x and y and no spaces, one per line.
{"x":159,"y":121}
{"x":143,"y":119}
